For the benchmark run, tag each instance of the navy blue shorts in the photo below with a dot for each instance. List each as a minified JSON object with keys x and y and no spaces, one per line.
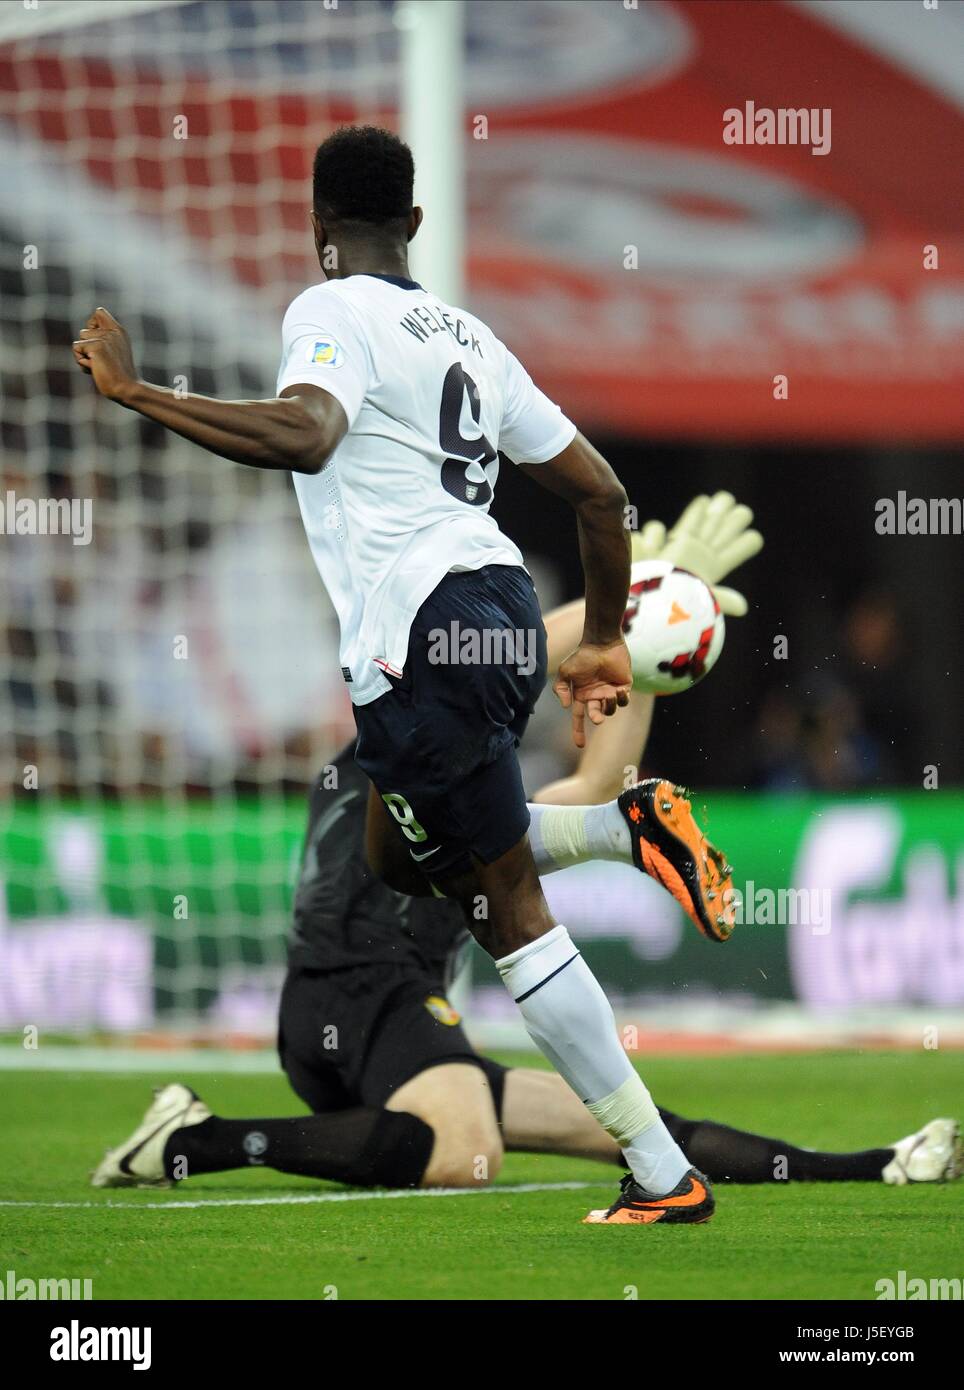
{"x":440,"y":746}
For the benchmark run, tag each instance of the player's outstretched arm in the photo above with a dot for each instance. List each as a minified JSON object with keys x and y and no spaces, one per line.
{"x":597,"y":677}
{"x":297,"y":431}
{"x":608,"y":763}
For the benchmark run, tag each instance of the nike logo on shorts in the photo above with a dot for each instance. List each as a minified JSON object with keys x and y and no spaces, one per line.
{"x":419,"y":857}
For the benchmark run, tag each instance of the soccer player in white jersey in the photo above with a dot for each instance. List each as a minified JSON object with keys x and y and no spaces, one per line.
{"x":391,"y":410}
{"x":405,"y":1100}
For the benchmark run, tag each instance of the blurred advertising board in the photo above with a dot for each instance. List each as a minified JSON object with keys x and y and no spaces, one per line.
{"x":124,"y":917}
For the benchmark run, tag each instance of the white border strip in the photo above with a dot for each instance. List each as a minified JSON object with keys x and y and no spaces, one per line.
{"x":313,"y":1198}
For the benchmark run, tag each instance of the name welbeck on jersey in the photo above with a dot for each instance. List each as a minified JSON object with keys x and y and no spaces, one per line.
{"x":423,"y":322}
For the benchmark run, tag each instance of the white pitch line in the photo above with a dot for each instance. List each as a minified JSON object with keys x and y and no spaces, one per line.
{"x":309,"y":1198}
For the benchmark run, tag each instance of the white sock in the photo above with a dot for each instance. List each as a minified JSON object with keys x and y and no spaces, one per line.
{"x":570,"y":1020}
{"x":656,"y":1154}
{"x":561,"y":836}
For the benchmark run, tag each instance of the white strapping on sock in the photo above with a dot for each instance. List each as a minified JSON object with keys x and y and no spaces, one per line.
{"x":625,"y":1112}
{"x":561,"y":836}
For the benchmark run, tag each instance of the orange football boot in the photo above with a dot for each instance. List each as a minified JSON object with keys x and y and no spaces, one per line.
{"x":690,"y":1203}
{"x":670,"y":847}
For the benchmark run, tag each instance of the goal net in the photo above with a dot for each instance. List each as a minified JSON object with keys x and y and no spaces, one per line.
{"x":168,"y":659}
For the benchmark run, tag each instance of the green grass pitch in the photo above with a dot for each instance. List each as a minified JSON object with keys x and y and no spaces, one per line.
{"x":827,"y":1241}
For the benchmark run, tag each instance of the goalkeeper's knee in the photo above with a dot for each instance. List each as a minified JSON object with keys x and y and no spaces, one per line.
{"x":397,"y":1153}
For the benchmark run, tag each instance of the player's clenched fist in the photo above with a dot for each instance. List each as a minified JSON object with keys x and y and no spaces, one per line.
{"x":103,"y":351}
{"x":594,"y":680}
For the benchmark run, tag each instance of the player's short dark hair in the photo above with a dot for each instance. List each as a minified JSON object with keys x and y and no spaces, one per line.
{"x":363,"y":174}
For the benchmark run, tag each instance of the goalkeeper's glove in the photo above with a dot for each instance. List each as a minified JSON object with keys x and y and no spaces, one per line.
{"x":712,"y":537}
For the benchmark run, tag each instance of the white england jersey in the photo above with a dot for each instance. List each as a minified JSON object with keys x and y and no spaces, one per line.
{"x":430,"y":394}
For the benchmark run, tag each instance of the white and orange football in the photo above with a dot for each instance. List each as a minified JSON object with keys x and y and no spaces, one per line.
{"x":673,"y":627}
